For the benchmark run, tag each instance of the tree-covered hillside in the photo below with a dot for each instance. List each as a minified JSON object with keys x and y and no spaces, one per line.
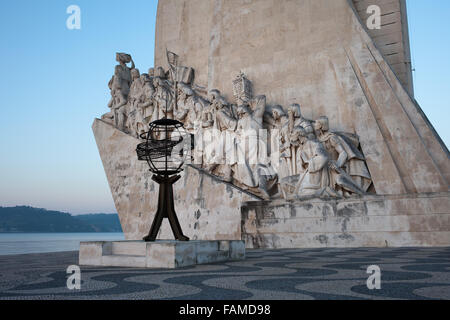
{"x":28,"y":219}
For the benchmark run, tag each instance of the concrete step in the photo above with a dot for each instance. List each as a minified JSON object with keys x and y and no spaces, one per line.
{"x":371,"y":205}
{"x":160,"y":254}
{"x":346,"y":240}
{"x":130,"y":248}
{"x":124,"y":261}
{"x":405,"y":223}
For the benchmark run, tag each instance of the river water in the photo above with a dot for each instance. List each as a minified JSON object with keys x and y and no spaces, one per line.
{"x":22,"y":243}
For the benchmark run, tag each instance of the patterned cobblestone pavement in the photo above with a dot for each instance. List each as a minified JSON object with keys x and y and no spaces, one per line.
{"x":406,"y":273}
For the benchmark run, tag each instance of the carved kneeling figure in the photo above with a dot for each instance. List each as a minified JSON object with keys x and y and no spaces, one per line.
{"x":321,"y":177}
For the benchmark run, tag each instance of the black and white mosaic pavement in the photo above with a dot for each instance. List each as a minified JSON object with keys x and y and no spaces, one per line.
{"x":406,"y":273}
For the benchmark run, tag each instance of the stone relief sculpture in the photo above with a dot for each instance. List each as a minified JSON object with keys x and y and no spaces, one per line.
{"x":314,"y":161}
{"x":344,"y":148}
{"x":145,"y":107}
{"x":277,"y":117}
{"x":242,"y":89}
{"x":190,"y":106}
{"x":133,"y":101}
{"x":250,"y":143}
{"x":232,"y":140}
{"x":120,"y":88}
{"x":162,"y":99}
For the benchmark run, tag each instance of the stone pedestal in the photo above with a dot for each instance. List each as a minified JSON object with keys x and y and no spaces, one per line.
{"x":159,"y":254}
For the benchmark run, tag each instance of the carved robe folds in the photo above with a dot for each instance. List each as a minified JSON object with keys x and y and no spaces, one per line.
{"x":355,"y":165}
{"x":315,"y":179}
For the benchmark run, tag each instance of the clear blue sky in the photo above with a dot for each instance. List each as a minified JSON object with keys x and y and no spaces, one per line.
{"x":54,"y":83}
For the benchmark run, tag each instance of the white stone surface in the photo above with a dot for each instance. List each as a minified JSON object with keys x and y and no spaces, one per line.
{"x":159,"y":254}
{"x":319,"y":54}
{"x":370,"y":221}
{"x":208,"y":209}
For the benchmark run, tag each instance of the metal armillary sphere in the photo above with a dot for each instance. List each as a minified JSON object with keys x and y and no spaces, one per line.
{"x":165,"y":151}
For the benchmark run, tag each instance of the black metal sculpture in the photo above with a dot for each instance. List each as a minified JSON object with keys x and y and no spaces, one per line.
{"x":165,"y":150}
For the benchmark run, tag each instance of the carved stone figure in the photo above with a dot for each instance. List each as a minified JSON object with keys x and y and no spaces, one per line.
{"x":296,"y":120}
{"x":120,"y":88}
{"x":286,"y":149}
{"x":204,"y":149}
{"x":159,"y":72}
{"x":250,"y":168}
{"x":189,"y":106}
{"x":109,"y":117}
{"x":343,"y":148}
{"x":225,"y":115}
{"x":145,"y":107}
{"x":324,"y":172}
{"x":183,"y":102}
{"x":276,"y":121}
{"x":278,"y":118}
{"x":314,"y":159}
{"x":162,"y":100}
{"x":289,"y":152}
{"x":224,"y":124}
{"x":133,"y":100}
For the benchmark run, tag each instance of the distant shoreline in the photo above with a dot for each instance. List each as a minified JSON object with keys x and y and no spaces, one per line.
{"x":23,"y":219}
{"x":47,"y":242}
{"x":56,"y":232}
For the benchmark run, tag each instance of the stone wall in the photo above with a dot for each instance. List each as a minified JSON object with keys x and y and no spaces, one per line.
{"x":371,"y":221}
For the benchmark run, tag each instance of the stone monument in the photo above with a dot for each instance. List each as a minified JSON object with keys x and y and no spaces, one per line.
{"x":305,"y":127}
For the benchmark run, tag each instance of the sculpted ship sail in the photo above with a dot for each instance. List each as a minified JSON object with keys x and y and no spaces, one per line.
{"x":317,"y":118}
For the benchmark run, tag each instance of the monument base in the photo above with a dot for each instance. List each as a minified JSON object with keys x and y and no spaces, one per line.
{"x":159,"y":254}
{"x":420,"y":220}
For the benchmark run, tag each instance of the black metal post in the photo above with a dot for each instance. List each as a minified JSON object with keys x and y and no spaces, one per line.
{"x":166,"y":209}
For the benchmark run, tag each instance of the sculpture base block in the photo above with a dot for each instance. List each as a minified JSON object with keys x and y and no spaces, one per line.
{"x":159,"y":254}
{"x":420,"y":220}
